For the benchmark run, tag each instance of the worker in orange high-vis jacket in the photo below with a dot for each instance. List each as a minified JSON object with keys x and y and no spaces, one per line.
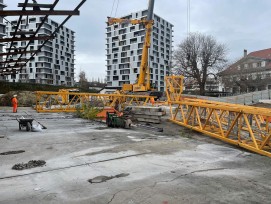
{"x":14,"y":102}
{"x":152,"y":100}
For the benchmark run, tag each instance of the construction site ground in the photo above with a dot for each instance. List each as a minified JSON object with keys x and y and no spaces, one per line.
{"x":86,"y":162}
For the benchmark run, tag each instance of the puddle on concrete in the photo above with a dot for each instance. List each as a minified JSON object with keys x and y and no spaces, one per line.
{"x":29,"y":165}
{"x":101,"y":179}
{"x":12,"y":152}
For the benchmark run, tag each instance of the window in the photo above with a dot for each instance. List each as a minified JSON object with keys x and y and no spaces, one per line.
{"x":32,"y":20}
{"x":263,"y":64}
{"x":254,"y":76}
{"x":246,"y":66}
{"x":132,"y":28}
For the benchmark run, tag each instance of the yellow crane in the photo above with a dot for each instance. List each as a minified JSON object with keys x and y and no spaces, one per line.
{"x":143,"y":81}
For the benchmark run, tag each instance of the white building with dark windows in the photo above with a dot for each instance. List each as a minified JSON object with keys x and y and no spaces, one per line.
{"x":2,"y":27}
{"x":55,"y":63}
{"x":124,"y":44}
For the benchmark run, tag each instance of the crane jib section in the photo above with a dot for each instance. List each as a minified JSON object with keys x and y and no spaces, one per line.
{"x":245,"y":126}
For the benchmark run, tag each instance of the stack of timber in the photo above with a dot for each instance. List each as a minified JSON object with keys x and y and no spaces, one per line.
{"x":146,"y":113}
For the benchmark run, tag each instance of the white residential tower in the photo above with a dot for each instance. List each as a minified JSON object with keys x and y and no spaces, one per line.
{"x":124,"y":43}
{"x":55,"y":63}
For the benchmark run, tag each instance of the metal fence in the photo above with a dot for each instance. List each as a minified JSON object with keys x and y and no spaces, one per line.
{"x":245,"y":99}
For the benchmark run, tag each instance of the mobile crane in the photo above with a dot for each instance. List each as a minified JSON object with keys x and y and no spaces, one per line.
{"x":143,"y":80}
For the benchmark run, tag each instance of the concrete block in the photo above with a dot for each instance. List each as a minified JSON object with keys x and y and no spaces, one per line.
{"x":149,"y":113}
{"x":148,"y":116}
{"x":147,"y":108}
{"x":149,"y":120}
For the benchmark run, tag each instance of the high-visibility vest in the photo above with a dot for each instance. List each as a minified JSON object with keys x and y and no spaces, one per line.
{"x":14,"y":101}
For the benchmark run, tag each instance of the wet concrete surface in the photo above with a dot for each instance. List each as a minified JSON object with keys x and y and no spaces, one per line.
{"x":127,"y":166}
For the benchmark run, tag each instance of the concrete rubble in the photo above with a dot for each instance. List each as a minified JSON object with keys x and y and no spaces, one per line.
{"x":124,"y":166}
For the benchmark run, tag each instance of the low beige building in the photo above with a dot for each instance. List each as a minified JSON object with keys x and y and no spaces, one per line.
{"x":250,"y":73}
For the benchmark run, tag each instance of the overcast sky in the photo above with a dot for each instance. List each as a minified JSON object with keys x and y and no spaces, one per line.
{"x":240,"y":24}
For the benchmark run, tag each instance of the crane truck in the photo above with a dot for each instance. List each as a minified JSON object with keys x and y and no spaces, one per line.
{"x":143,"y":83}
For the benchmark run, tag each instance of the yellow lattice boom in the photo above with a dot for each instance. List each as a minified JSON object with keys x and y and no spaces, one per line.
{"x":245,"y":126}
{"x":71,"y":101}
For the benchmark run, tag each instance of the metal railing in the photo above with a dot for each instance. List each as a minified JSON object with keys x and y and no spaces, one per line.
{"x":244,"y":99}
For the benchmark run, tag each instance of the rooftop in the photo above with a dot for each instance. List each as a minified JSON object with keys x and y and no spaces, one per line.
{"x":257,"y":56}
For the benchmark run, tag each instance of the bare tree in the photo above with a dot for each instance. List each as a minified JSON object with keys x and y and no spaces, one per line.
{"x":199,"y":56}
{"x":83,"y":80}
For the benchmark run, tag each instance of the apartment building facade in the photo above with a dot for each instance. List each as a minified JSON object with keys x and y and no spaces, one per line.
{"x":2,"y":29}
{"x":55,"y":64}
{"x":251,"y":73}
{"x":124,"y":45}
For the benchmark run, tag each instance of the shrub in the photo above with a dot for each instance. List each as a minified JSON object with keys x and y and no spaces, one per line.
{"x":87,"y":111}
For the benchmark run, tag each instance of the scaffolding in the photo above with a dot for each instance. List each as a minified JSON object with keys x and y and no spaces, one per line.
{"x":11,"y":67}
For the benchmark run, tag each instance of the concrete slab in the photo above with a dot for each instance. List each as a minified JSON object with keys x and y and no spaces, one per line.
{"x":265,"y":101}
{"x":177,"y":166}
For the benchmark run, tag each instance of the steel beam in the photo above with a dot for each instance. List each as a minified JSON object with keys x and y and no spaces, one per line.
{"x":35,"y":5}
{"x":14,"y":61}
{"x":39,"y":13}
{"x":15,"y":48}
{"x":18,"y":52}
{"x":23,"y":33}
{"x":26,"y":39}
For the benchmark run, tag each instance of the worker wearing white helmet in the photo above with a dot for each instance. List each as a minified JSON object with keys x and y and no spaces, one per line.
{"x":14,"y":102}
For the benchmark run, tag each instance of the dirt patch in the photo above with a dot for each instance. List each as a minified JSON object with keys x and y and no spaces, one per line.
{"x":29,"y":165}
{"x":101,"y":179}
{"x":12,"y":152}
